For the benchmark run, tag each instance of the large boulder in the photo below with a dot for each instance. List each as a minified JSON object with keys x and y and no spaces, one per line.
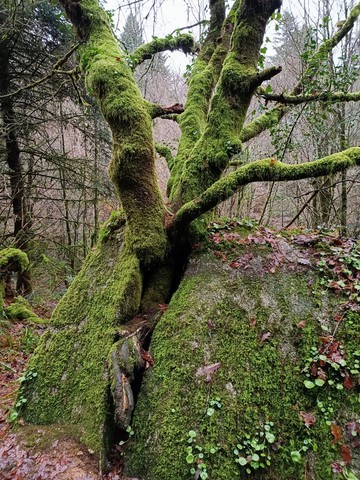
{"x":255,"y":370}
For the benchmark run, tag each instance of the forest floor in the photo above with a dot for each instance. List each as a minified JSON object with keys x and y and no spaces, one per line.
{"x":35,"y":452}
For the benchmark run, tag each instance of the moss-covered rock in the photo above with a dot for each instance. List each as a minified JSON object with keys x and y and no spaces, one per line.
{"x":228,"y":379}
{"x":20,"y":309}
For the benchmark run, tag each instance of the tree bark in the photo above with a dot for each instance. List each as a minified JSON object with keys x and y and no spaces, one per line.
{"x":22,"y":223}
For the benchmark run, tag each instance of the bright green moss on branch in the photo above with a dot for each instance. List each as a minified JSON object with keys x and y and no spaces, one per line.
{"x":184,"y":42}
{"x":220,"y":138}
{"x":21,"y":310}
{"x":110,"y":80}
{"x":263,"y":170}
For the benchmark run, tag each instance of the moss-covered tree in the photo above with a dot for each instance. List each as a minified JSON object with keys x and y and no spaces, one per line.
{"x":90,"y":362}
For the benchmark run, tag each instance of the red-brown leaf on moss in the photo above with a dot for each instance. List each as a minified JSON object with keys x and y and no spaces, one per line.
{"x":336,"y":432}
{"x":348,"y":383}
{"x":308,"y":418}
{"x":346,"y":453}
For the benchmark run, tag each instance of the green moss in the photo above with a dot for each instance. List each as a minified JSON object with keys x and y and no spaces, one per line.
{"x":184,"y":42}
{"x":115,"y":222}
{"x":217,"y":136}
{"x":166,"y":153}
{"x":21,"y":310}
{"x":15,"y":257}
{"x":110,"y":80}
{"x":257,"y":381}
{"x":72,"y":386}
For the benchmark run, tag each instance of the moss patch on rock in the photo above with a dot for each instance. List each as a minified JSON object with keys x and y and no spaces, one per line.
{"x":255,"y":331}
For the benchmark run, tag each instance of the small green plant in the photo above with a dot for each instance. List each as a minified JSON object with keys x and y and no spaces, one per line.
{"x":214,"y":404}
{"x":296,"y":455}
{"x":196,"y":454}
{"x":27,"y":376}
{"x":253,"y":452}
{"x":195,"y":457}
{"x":130,"y":433}
{"x":328,"y":365}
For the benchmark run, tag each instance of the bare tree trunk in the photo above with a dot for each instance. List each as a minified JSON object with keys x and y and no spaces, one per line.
{"x":22,"y":224}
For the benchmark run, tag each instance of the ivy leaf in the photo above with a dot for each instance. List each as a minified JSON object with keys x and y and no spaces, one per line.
{"x":295,"y":456}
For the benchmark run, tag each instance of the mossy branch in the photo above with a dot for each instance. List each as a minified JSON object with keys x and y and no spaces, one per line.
{"x":13,"y":259}
{"x":165,"y":152}
{"x":273,"y":116}
{"x":183,"y":42}
{"x":332,"y":97}
{"x":156,"y":110}
{"x":268,"y":169}
{"x":266,"y":74}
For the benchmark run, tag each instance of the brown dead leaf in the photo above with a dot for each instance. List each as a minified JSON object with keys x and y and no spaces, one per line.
{"x":252,"y":322}
{"x":208,"y":370}
{"x":336,"y":432}
{"x":346,"y":454}
{"x":265,"y":336}
{"x":308,"y":418}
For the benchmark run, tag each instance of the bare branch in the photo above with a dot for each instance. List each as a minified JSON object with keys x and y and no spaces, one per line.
{"x":53,"y":72}
{"x":268,"y":169}
{"x":159,"y":111}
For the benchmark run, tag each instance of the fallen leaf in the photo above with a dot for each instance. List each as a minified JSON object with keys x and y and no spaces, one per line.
{"x":348,"y":382}
{"x":303,"y":261}
{"x":336,"y":432}
{"x":163,"y":307}
{"x":301,"y":324}
{"x":345,"y":453}
{"x":208,"y":370}
{"x":252,"y":322}
{"x":235,"y":264}
{"x":308,"y":418}
{"x":336,"y":467}
{"x":148,"y":359}
{"x":265,"y":336}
